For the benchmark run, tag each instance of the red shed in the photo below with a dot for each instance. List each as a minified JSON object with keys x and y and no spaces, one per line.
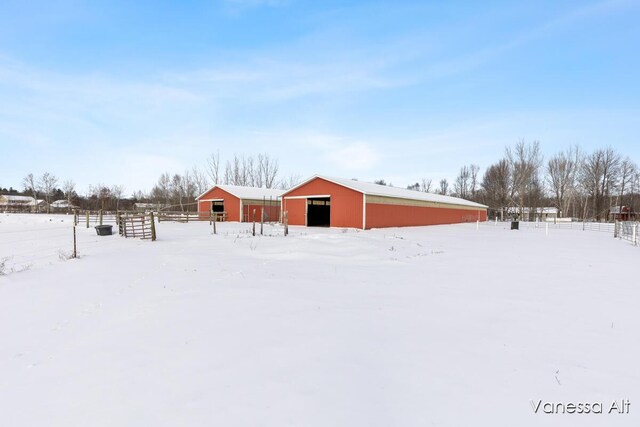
{"x":239,"y":202}
{"x":337,"y":202}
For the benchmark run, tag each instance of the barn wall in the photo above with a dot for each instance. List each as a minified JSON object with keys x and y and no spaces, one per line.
{"x":389,"y":215}
{"x":231,"y":203}
{"x":272,"y":210}
{"x":386,"y":200}
{"x":346,"y":204}
{"x":297,"y":210}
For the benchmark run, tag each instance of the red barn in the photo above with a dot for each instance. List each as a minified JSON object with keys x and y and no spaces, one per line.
{"x":238,"y":203}
{"x":338,"y":202}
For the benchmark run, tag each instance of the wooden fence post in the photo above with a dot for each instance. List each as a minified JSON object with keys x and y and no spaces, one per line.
{"x":153,"y":227}
{"x":254,"y":222}
{"x":75,"y":250}
{"x":286,"y":223}
{"x":100,"y":217}
{"x":215,"y":217}
{"x":262,"y":220}
{"x":87,"y":219}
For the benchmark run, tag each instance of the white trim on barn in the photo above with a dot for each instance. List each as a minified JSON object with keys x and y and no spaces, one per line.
{"x":315,"y":196}
{"x":364,"y":211}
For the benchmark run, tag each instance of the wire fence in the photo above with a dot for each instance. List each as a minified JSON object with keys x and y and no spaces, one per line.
{"x":89,"y":218}
{"x":622,"y":230}
{"x":603,"y":227}
{"x":627,"y":230}
{"x":25,"y":243}
{"x":21,"y":249}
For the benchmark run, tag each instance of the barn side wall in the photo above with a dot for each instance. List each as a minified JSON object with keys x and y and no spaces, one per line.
{"x":381,"y":215}
{"x":297,"y":209}
{"x":346,"y":204}
{"x":231,"y":203}
{"x":271,"y":210}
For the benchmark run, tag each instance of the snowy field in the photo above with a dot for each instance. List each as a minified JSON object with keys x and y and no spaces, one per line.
{"x":424,"y":326}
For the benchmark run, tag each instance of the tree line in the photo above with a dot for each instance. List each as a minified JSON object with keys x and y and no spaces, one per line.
{"x":177,"y":191}
{"x":50,"y":188}
{"x":578,"y":184}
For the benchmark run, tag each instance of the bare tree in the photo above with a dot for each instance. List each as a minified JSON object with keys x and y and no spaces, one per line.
{"x":598,"y":176}
{"x":496,"y":184}
{"x":161,"y":192}
{"x":425,"y":185}
{"x":30,"y":186}
{"x":444,"y":187}
{"x":269,"y":170}
{"x":101,"y":193}
{"x":228,"y":173}
{"x":290,"y":181}
{"x":473,"y":180}
{"x":238,"y":172}
{"x":200,"y":182}
{"x":627,"y":173}
{"x":635,"y":190}
{"x":116,"y":193}
{"x":189,"y":186}
{"x":561,"y":178}
{"x":47,"y":185}
{"x":177,"y":193}
{"x":260,"y":171}
{"x":183,"y":190}
{"x":461,"y":184}
{"x":213,"y":167}
{"x":525,"y":161}
{"x":252,"y":172}
{"x":139,"y":196}
{"x":69,"y":190}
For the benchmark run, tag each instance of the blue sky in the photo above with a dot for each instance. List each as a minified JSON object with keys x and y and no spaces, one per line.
{"x":119,"y":92}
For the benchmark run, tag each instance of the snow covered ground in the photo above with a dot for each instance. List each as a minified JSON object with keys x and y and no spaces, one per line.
{"x":421,"y":326}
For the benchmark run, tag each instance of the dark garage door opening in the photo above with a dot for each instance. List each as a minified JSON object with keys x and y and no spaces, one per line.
{"x":217,"y":206}
{"x":319,"y":212}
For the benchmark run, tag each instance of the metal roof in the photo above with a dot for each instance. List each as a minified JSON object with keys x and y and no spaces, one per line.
{"x":241,"y":192}
{"x":372,"y":189}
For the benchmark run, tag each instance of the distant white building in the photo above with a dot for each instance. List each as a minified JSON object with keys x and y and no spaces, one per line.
{"x":11,"y":203}
{"x":62,"y":205}
{"x":147,"y":207}
{"x":38,"y":205}
{"x":549,"y":213}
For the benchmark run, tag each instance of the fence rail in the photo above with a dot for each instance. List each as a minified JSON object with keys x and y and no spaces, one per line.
{"x":604,"y":227}
{"x":192,"y":216}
